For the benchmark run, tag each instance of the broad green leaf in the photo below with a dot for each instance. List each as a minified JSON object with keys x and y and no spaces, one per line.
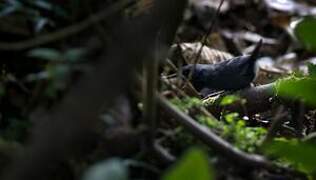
{"x":112,"y":169}
{"x":298,"y":153}
{"x":302,"y":88}
{"x":46,"y":54}
{"x":305,"y":31}
{"x":194,"y":165}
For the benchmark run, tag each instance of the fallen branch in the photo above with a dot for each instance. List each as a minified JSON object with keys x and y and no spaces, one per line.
{"x":219,"y":145}
{"x":214,"y":141}
{"x":258,"y":99}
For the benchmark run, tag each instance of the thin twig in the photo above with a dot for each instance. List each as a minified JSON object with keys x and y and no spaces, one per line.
{"x":204,"y":38}
{"x":163,"y":154}
{"x":184,"y":84}
{"x":276,"y":123}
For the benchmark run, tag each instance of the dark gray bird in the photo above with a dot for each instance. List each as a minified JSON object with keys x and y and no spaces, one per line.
{"x":233,"y":74}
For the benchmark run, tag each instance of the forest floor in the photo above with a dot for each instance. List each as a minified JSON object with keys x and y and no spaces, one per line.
{"x":95,"y":90}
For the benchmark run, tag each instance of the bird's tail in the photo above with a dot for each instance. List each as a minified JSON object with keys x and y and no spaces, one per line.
{"x":255,"y":52}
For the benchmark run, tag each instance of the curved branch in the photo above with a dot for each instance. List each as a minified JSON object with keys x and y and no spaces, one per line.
{"x":214,"y":141}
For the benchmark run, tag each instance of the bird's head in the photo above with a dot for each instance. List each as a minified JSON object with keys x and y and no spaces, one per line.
{"x":186,"y":70}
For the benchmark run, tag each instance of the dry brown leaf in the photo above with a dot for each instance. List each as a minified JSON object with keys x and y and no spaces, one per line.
{"x":190,"y":52}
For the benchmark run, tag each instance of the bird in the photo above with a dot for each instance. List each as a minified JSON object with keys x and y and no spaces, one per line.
{"x":230,"y":75}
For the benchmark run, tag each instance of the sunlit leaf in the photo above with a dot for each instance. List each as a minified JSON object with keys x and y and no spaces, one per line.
{"x":187,"y":103}
{"x":113,"y":169}
{"x":210,"y":122}
{"x":305,"y":31}
{"x":194,"y":165}
{"x":230,"y":99}
{"x":231,"y":117}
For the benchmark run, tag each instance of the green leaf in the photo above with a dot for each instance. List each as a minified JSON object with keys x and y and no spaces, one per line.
{"x":187,"y":103}
{"x":210,"y":122}
{"x":112,"y":169}
{"x":231,"y":117}
{"x":302,"y":88}
{"x":229,"y":99}
{"x":46,"y":54}
{"x":301,"y":154}
{"x":305,"y":31}
{"x":194,"y":165}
